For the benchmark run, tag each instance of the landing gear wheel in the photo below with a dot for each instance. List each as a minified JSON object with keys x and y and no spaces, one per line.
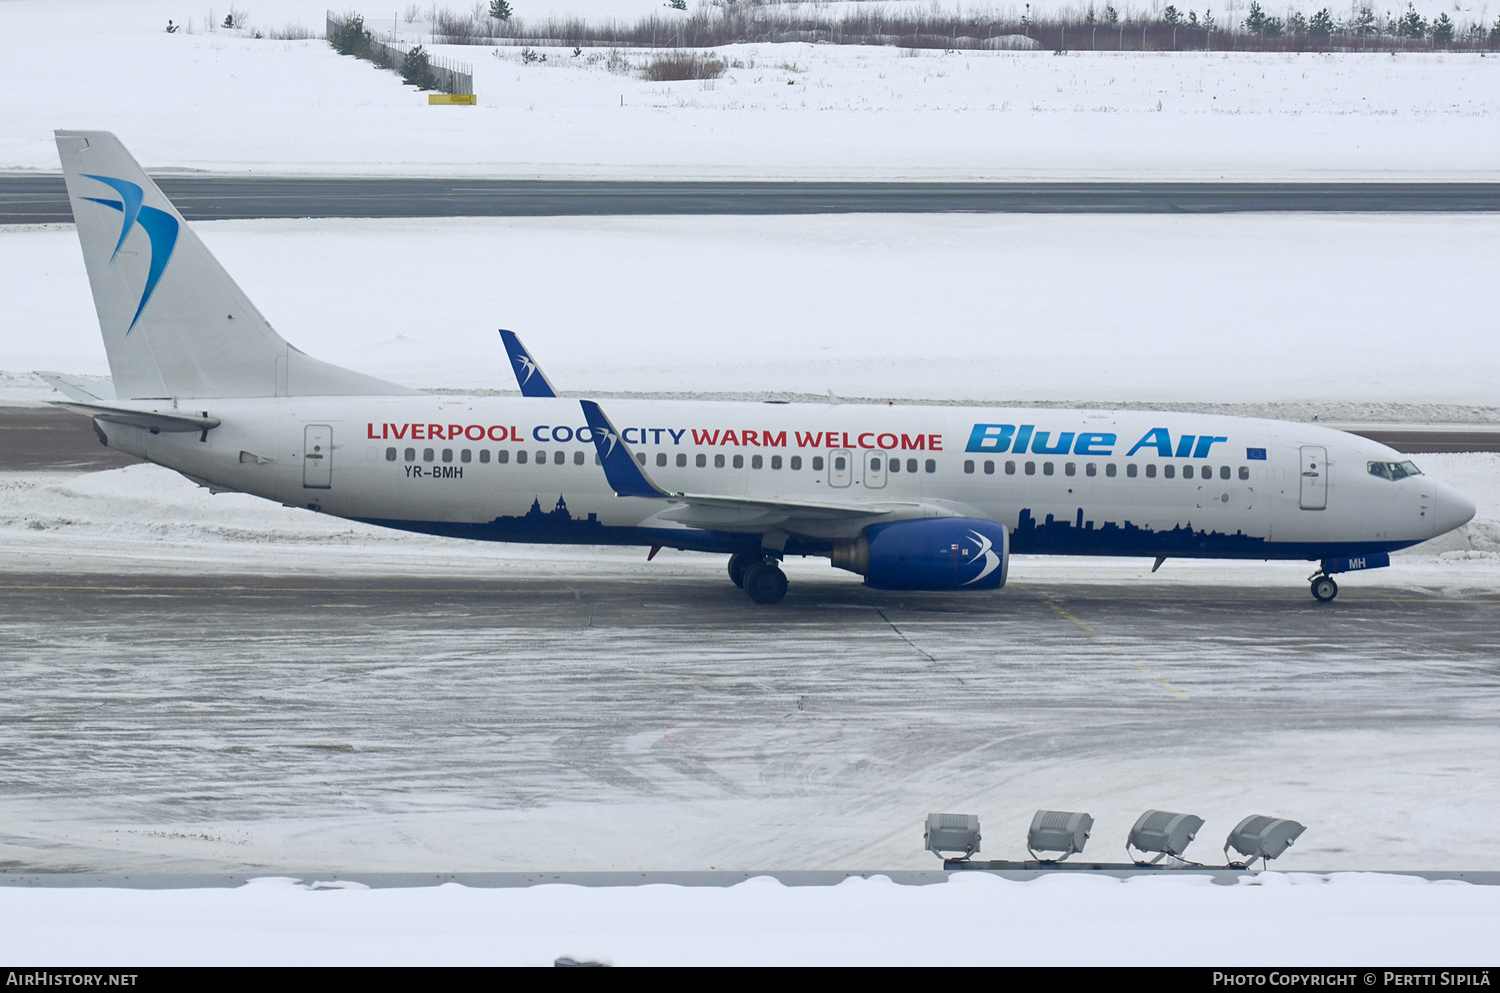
{"x":739,"y":563}
{"x":1324,"y":588}
{"x":765,"y":582}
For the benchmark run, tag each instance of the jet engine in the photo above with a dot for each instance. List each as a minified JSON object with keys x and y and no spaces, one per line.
{"x":936,"y":553}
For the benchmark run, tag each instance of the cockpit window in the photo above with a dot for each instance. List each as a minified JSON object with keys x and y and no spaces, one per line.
{"x":1394,"y":470}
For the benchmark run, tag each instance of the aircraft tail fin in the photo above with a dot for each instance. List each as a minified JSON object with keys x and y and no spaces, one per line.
{"x":174,"y":322}
{"x":529,"y":376}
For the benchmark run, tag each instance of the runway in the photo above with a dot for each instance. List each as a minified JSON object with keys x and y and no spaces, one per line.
{"x":228,"y":723}
{"x":37,"y":199}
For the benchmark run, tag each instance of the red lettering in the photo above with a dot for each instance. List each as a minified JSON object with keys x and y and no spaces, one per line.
{"x":773,"y":440}
{"x":399,"y":430}
{"x":370,"y":431}
{"x":730,"y":438}
{"x":434,"y":432}
{"x":749,"y":438}
{"x":454,"y":430}
{"x":496,"y":427}
{"x":809,"y":440}
{"x":846,"y":439}
{"x":919,"y":443}
{"x":469,"y":432}
{"x":416,"y":432}
{"x":881,"y":442}
{"x":705,"y":437}
{"x":862,"y":442}
{"x":934,"y":443}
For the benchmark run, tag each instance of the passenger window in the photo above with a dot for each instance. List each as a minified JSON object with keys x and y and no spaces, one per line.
{"x":1151,"y":471}
{"x":578,"y":458}
{"x":1070,"y":469}
{"x":484,"y":455}
{"x":874,"y":465}
{"x":390,"y":455}
{"x":426,"y":455}
{"x":1031,"y":468}
{"x":739,"y":462}
{"x":1010,"y":468}
{"x":681,"y":460}
{"x":411,"y":455}
{"x":1046,"y":468}
{"x":447,"y":455}
{"x":911,"y":465}
{"x":1109,"y":469}
{"x":895,"y":465}
{"x":1091,"y":469}
{"x":838,"y":464}
{"x":931,"y":465}
{"x":1132,"y":470}
{"x":1187,"y":472}
{"x":1244,"y":471}
{"x":1167,"y":470}
{"x":968,"y":466}
{"x":817,"y":463}
{"x":661,"y":458}
{"x":1223,"y":472}
{"x":466,"y":456}
{"x":503,"y":456}
{"x":701,"y":461}
{"x":640,"y":458}
{"x":796,"y":462}
{"x":989,"y":467}
{"x":756,"y":461}
{"x":541,"y":458}
{"x":776,"y":462}
{"x":718,"y":461}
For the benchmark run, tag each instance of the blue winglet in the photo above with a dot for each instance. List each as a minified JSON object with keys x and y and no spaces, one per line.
{"x":620,"y":468}
{"x":529,"y":375}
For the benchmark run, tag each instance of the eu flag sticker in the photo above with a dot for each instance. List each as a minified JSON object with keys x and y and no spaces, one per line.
{"x":1255,"y":453}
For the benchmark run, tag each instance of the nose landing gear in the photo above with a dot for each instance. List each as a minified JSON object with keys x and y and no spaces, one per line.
{"x":1324,"y":588}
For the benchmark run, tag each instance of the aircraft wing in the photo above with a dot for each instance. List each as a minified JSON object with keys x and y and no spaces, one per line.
{"x":529,"y":376}
{"x":733,"y":513}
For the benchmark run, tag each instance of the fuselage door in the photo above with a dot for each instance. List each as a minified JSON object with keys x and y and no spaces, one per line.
{"x":840,"y":467}
{"x":1314,"y":477}
{"x":317,"y":457}
{"x":874,"y":463}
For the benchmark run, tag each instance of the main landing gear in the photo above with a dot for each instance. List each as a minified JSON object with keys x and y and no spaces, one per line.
{"x":759,"y":575}
{"x":1324,"y":588}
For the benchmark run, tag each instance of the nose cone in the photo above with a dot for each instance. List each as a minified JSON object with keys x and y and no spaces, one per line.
{"x":1451,"y":509}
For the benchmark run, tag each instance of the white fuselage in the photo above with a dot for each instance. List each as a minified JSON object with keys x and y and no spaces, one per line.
{"x":1087,"y":482}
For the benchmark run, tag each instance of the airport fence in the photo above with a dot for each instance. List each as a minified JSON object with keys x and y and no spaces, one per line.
{"x":426,"y":71}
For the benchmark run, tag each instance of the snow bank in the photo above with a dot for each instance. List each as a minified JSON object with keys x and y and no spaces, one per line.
{"x":972,"y":919}
{"x":223,"y":102}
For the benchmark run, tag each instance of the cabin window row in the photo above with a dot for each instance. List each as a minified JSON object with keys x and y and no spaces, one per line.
{"x":501,"y":456}
{"x":1111,"y":470}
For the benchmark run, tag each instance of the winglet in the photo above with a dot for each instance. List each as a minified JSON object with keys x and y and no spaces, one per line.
{"x":624,"y":474}
{"x":533,"y":381}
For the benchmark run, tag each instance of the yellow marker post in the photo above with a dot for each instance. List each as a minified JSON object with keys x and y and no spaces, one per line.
{"x":434,"y":99}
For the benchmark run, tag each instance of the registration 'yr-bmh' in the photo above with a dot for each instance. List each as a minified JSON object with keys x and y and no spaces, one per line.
{"x":910,"y":497}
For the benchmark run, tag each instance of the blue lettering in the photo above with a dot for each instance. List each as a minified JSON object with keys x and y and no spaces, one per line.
{"x":1184,"y":446}
{"x":1157,"y":438}
{"x":557,"y":433}
{"x":657,"y":432}
{"x":1064,"y":442}
{"x":1087,"y":442}
{"x":584,"y":434}
{"x":1023,"y":438}
{"x":536,"y":433}
{"x":625,"y":436}
{"x":677,"y":435}
{"x":1205,"y":442}
{"x":990,"y":437}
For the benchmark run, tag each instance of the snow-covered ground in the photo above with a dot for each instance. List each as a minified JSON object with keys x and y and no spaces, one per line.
{"x":1382,"y":311}
{"x":972,"y":919}
{"x":222,"y":102}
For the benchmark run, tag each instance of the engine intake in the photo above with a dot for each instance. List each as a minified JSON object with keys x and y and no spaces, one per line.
{"x":936,"y":553}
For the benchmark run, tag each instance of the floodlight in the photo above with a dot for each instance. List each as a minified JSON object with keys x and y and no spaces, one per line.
{"x":1058,"y":831}
{"x":1261,"y":837}
{"x":1163,"y":832}
{"x":952,"y":833}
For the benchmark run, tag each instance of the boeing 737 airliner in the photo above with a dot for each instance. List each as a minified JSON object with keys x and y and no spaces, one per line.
{"x":909,"y":497}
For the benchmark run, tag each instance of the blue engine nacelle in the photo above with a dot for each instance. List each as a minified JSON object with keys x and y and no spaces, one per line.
{"x":936,"y":553}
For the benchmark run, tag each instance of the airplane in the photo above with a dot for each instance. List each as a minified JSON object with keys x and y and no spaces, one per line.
{"x":908,"y":497}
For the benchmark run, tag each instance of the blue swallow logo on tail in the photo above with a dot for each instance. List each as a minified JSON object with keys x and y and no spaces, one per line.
{"x":160,"y":227}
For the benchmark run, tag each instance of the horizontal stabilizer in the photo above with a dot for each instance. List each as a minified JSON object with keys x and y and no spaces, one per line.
{"x":532,"y":380}
{"x":77,"y":389}
{"x":151,"y":420}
